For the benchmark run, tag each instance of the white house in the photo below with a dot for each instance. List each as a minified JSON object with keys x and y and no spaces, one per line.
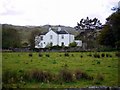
{"x":52,"y":38}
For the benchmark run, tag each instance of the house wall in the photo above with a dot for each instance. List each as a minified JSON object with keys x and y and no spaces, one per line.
{"x":67,"y":39}
{"x":47,"y":39}
{"x":79,"y":42}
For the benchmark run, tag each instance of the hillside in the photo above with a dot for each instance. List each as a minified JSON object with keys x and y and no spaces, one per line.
{"x":26,"y":30}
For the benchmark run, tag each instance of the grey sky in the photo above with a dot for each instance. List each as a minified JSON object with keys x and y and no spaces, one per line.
{"x":54,"y":12}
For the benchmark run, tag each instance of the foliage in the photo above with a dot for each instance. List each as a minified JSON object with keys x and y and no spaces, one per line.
{"x":33,"y":34}
{"x":66,"y":75}
{"x":89,"y":24}
{"x":10,"y":38}
{"x":117,"y":54}
{"x":106,"y":37}
{"x":111,"y":31}
{"x":73,"y":44}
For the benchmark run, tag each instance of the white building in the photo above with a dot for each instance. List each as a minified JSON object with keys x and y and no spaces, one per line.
{"x":53,"y":38}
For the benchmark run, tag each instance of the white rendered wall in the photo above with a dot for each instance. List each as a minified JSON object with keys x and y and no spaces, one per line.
{"x":66,"y":40}
{"x":79,"y":42}
{"x":47,"y":40}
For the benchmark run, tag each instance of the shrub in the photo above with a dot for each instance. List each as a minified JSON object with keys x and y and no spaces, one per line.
{"x":27,"y":76}
{"x":117,"y":54}
{"x":66,"y":75}
{"x":90,"y":54}
{"x":40,"y":55}
{"x":100,"y":77}
{"x":102,"y":55}
{"x":81,"y":56}
{"x":107,"y":55}
{"x":38,"y":75}
{"x":9,"y":77}
{"x":73,"y":44}
{"x":82,"y":75}
{"x":30,"y":55}
{"x":78,"y":74}
{"x":98,"y":62}
{"x":47,"y":55}
{"x":65,"y":66}
{"x":66,"y":54}
{"x":72,"y":55}
{"x":60,"y":55}
{"x":96,"y":55}
{"x":86,"y":76}
{"x":54,"y":62}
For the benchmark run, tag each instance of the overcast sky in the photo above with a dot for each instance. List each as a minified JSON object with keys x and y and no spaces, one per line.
{"x":53,"y":12}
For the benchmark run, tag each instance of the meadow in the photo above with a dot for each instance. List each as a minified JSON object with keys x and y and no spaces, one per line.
{"x":59,"y":69}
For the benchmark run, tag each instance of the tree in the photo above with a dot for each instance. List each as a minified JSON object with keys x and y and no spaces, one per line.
{"x":33,"y":34}
{"x":106,"y":37}
{"x":10,"y":38}
{"x":89,"y":24}
{"x":110,"y":35}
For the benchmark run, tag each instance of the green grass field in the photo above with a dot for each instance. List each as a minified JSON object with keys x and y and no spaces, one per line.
{"x":19,"y":62}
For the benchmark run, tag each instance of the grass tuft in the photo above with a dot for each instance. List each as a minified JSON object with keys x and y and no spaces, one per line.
{"x":66,"y":75}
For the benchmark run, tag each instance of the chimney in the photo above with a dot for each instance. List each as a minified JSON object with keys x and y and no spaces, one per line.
{"x":49,"y":28}
{"x":59,"y":28}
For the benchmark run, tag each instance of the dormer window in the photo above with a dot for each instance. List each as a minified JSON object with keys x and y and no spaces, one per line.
{"x":51,"y":36}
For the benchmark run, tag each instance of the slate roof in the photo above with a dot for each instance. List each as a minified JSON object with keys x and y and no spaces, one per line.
{"x":62,"y":32}
{"x":57,"y":32}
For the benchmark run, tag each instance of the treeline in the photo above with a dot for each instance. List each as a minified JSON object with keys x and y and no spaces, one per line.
{"x":110,"y":34}
{"x":10,"y":38}
{"x":13,"y":38}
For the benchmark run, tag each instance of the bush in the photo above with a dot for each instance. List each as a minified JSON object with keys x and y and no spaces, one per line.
{"x":38,"y":75}
{"x":81,"y":56}
{"x":78,"y":74}
{"x":40,"y":55}
{"x":102,"y":55}
{"x":66,"y":75}
{"x":47,"y":55}
{"x":73,"y":44}
{"x":100,"y":77}
{"x":98,"y":62}
{"x":9,"y":77}
{"x":30,"y":55}
{"x":72,"y":55}
{"x":86,"y":76}
{"x":96,"y":55}
{"x":54,"y":62}
{"x":107,"y":55}
{"x":60,"y":55}
{"x":66,"y":54}
{"x":90,"y":55}
{"x":117,"y":54}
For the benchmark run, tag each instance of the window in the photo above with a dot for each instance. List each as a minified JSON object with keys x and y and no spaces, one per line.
{"x":62,"y":36}
{"x":51,"y":44}
{"x":62,"y":44}
{"x":41,"y":45}
{"x":41,"y":38}
{"x":51,"y":36}
{"x":44,"y":42}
